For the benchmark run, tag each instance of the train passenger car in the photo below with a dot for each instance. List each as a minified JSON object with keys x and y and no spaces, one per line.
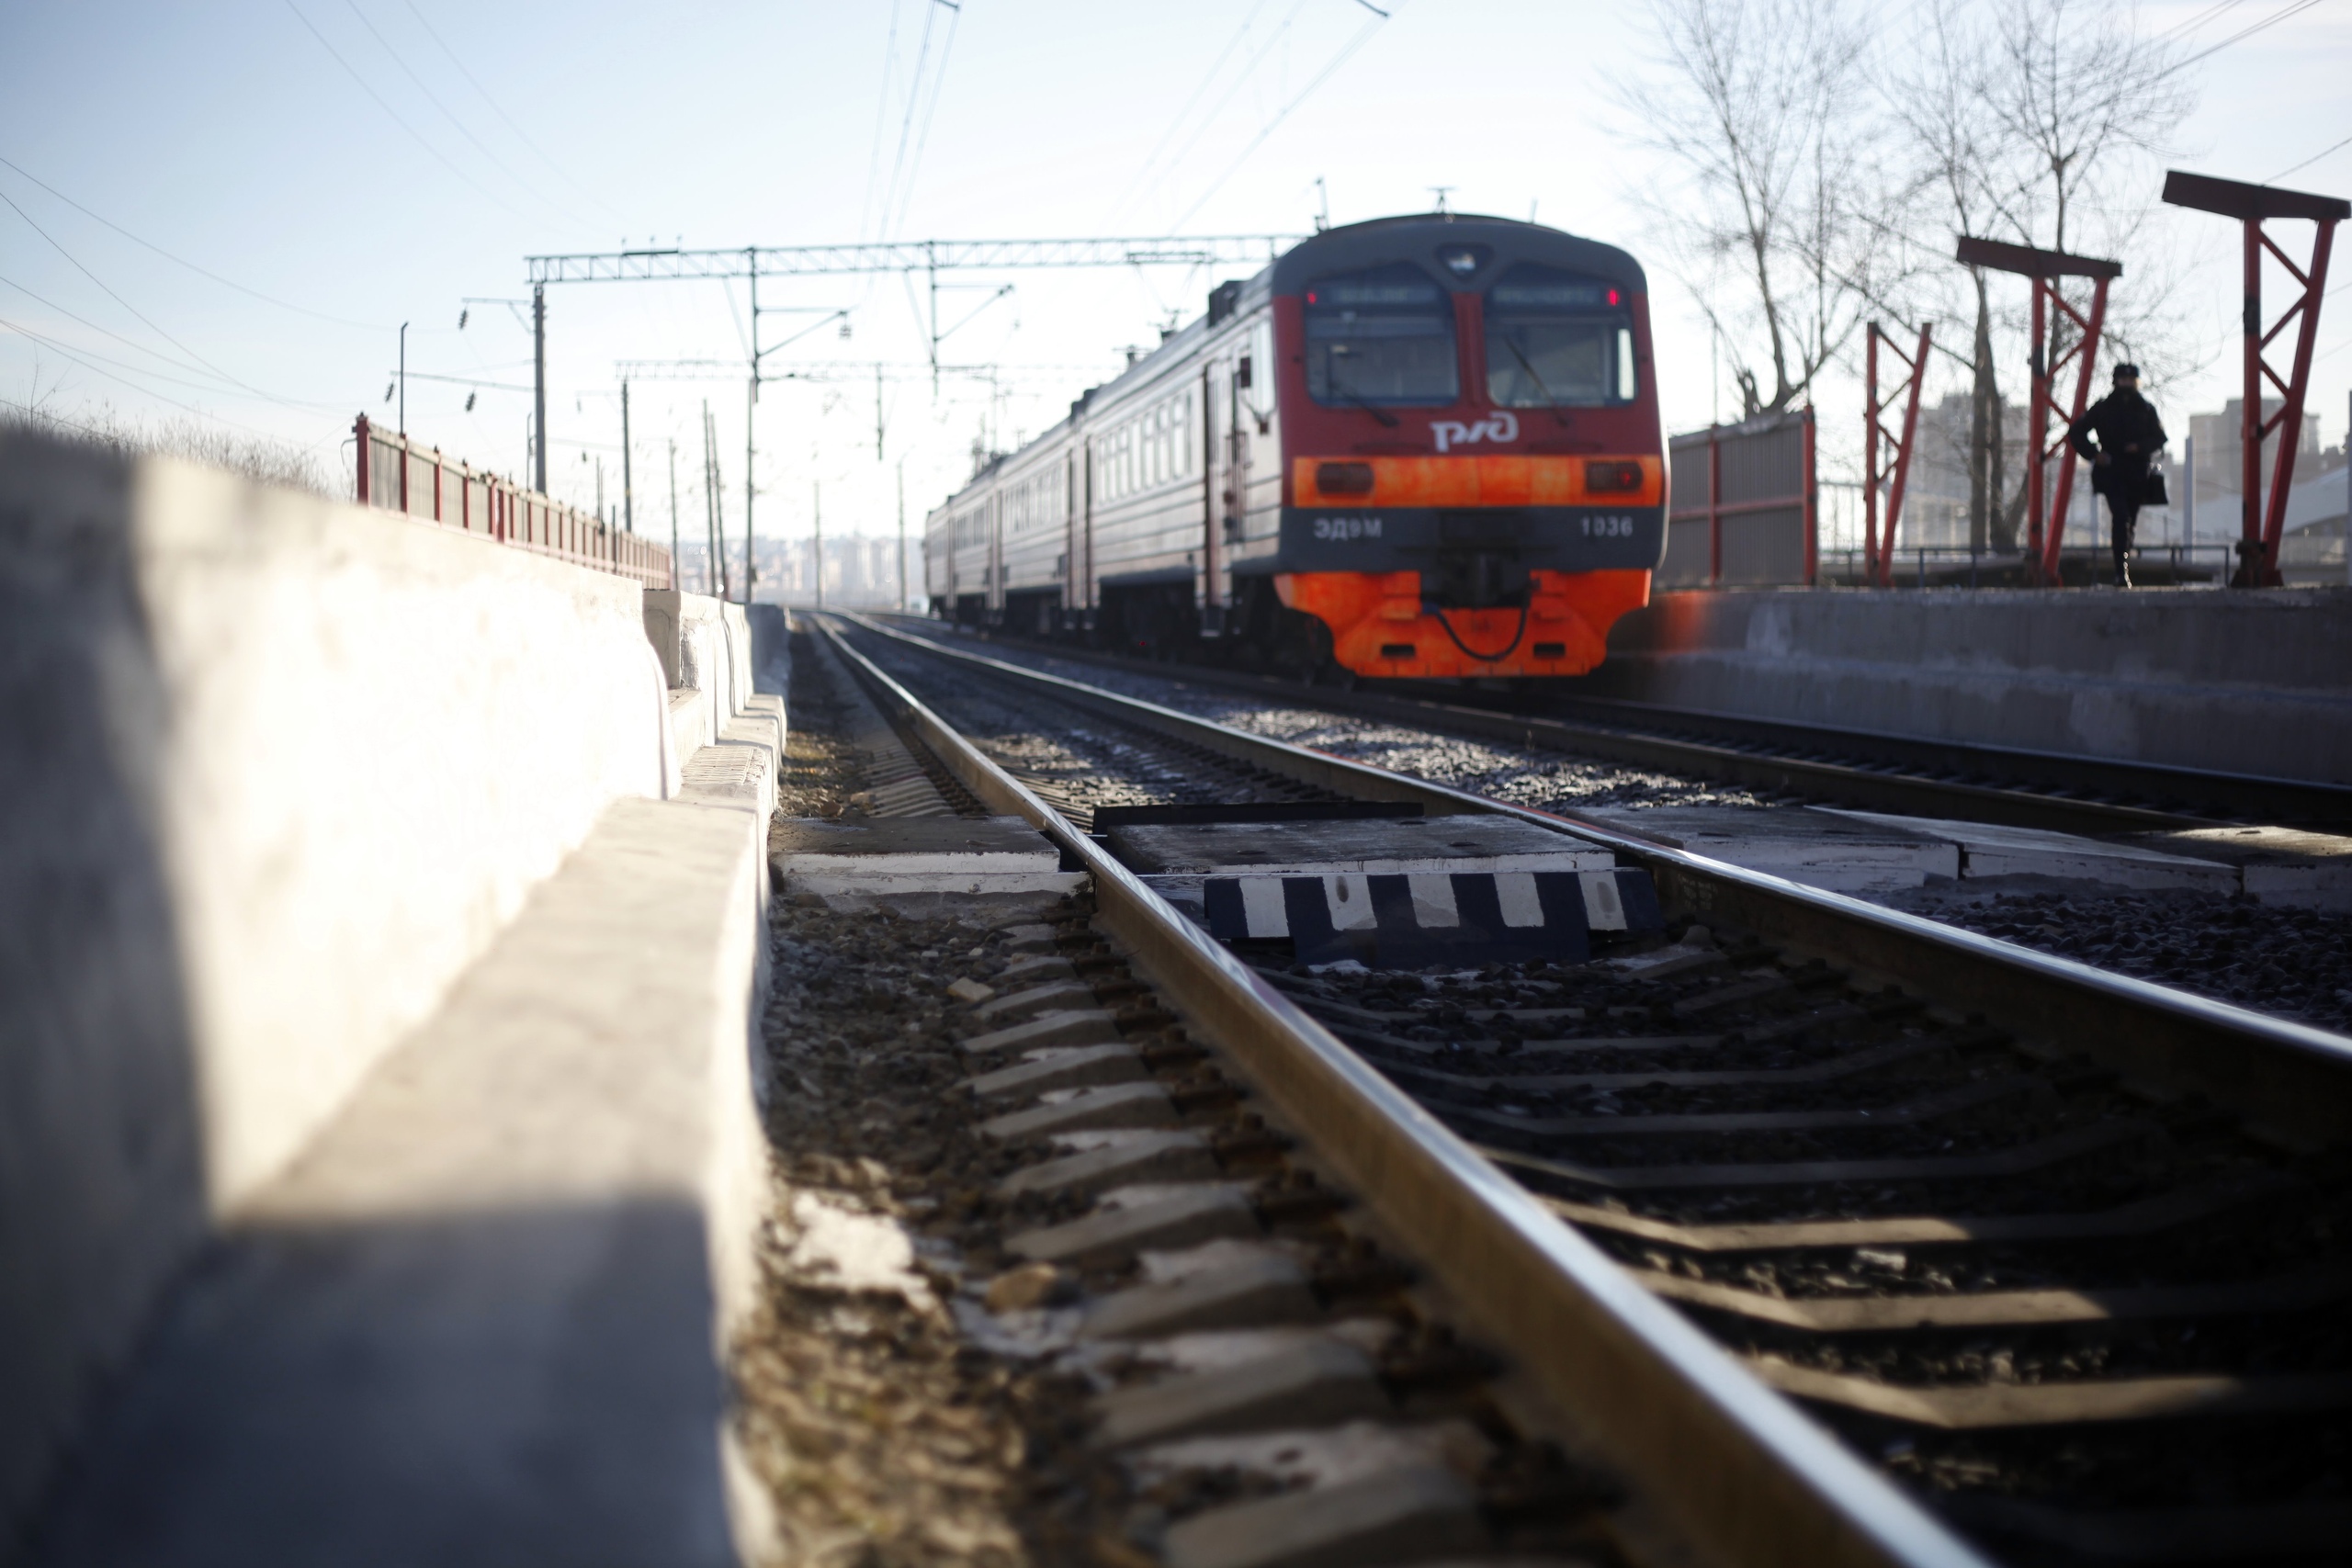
{"x":1422,"y":446}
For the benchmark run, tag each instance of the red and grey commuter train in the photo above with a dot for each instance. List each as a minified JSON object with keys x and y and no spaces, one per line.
{"x":1422,"y":446}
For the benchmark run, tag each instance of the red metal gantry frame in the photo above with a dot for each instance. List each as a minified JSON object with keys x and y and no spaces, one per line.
{"x":2046,"y":523}
{"x":467,"y":498}
{"x":1878,"y":551}
{"x":2264,"y":513}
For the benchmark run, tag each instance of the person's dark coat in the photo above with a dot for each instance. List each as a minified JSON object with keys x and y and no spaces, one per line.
{"x":2128,"y":434}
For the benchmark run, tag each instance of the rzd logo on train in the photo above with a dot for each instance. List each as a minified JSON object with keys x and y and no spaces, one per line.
{"x":1500,"y":426}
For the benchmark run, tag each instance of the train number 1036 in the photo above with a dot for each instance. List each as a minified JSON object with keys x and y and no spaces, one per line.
{"x":1609,"y":526}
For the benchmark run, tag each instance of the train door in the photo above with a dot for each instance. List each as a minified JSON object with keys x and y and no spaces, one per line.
{"x":1212,"y":577}
{"x":992,"y":593}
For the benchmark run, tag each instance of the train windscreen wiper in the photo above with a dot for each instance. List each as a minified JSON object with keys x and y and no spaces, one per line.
{"x":1381,"y":414}
{"x":1525,"y":364}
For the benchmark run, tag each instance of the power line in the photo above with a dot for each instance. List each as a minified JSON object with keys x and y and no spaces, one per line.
{"x":182,"y":261}
{"x":938,"y":85}
{"x":906,"y":128}
{"x":214,"y":385}
{"x":881,"y":118}
{"x":94,"y":278}
{"x":414,"y":134}
{"x":2275,"y":17}
{"x":432,"y":99}
{"x":1363,"y":36}
{"x":2182,"y":29}
{"x":65,"y":353}
{"x":2313,"y":158}
{"x":1248,"y":21}
{"x":500,"y":110}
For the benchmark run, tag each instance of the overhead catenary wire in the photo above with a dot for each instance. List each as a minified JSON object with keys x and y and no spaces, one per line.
{"x":500,"y":110}
{"x":144,"y":319}
{"x":448,"y":114}
{"x":192,"y":267}
{"x":1347,"y":52}
{"x":218,"y":385}
{"x":414,"y":135}
{"x":62,"y":352}
{"x":2294,"y":8}
{"x":938,"y":85}
{"x":2297,"y":168}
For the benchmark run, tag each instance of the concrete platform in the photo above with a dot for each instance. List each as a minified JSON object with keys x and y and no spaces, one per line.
{"x":2275,"y":865}
{"x":2246,"y":682}
{"x":377,"y":1145}
{"x":1821,"y":848}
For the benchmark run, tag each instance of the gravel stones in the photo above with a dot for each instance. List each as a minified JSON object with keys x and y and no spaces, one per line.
{"x":2294,"y":963}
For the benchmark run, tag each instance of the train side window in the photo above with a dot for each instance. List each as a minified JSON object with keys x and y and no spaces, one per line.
{"x":1557,"y":340}
{"x":1382,"y":338}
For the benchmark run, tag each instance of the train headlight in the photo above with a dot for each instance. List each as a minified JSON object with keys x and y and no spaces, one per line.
{"x":1343,"y":479}
{"x":1611,"y":478}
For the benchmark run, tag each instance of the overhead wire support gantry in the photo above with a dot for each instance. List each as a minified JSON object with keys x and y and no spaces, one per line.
{"x":930,"y":257}
{"x":2046,"y":502}
{"x":2264,"y":514}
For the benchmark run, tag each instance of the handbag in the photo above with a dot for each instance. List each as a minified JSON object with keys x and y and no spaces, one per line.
{"x":2152,"y":488}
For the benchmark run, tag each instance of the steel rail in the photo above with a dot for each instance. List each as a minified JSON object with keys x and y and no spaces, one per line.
{"x":1739,"y":1469}
{"x":1845,"y":765}
{"x":2286,"y":1078}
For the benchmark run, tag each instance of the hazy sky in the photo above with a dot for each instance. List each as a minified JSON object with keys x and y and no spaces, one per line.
{"x":340,"y":166}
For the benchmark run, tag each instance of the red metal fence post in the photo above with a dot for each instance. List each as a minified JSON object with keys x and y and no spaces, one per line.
{"x":1714,"y":509}
{"x":1812,"y":504}
{"x":1871,"y":572}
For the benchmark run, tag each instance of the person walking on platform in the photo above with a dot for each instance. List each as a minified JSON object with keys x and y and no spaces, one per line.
{"x":2129,"y":436}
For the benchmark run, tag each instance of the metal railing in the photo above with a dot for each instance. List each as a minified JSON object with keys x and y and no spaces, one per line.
{"x":1956,"y":566}
{"x":396,"y":474}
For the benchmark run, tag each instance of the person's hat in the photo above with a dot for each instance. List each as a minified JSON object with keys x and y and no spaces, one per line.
{"x":2123,"y":370}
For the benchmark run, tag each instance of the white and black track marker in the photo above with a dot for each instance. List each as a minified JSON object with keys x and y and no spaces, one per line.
{"x":1420,"y":922}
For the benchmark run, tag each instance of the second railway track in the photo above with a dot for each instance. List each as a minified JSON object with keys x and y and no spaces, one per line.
{"x":2061,"y":1256}
{"x":1874,"y":772}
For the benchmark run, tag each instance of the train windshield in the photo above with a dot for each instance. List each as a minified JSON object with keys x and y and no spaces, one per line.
{"x":1556,"y":340}
{"x":1381,"y":339}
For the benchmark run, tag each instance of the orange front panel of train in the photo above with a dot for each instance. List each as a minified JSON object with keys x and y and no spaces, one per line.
{"x":1380,"y":626}
{"x":1486,"y":480}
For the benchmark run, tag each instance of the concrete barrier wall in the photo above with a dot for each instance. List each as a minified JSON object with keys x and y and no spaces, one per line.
{"x":705,"y":645}
{"x":2257,"y":682}
{"x":275,"y":772}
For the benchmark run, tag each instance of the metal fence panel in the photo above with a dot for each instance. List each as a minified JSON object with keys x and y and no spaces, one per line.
{"x":1744,"y":510}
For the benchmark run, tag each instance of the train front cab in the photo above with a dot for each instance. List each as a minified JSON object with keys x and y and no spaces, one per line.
{"x":1474,"y":480}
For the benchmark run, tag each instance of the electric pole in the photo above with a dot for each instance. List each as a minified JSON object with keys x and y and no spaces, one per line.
{"x":902,"y":535}
{"x":817,"y":507}
{"x":674,"y":512}
{"x":628,"y":493}
{"x":748,"y":452}
{"x":539,"y":385}
{"x":714,"y":515}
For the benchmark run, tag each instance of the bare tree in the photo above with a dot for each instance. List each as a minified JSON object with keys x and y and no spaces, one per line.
{"x":1774,"y":228}
{"x":1936,"y":95}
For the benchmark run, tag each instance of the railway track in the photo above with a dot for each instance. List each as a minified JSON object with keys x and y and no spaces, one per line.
{"x":2050,"y":1261}
{"x":1866,"y":770}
